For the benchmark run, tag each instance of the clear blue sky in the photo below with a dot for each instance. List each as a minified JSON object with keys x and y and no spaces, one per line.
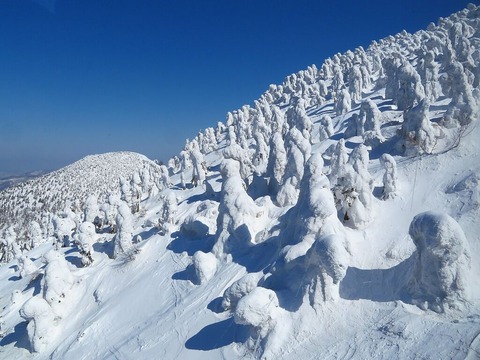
{"x":79,"y":77}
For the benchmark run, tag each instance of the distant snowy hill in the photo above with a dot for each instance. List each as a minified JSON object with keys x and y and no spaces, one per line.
{"x":10,"y":180}
{"x":42,"y":197}
{"x":336,"y":218}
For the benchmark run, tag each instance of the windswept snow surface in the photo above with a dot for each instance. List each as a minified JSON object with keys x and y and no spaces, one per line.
{"x":306,"y":281}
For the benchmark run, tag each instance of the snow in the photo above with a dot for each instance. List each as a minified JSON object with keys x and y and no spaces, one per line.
{"x":341,"y":245}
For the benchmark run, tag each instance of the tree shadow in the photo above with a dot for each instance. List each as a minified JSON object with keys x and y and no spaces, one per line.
{"x":19,"y":337}
{"x":182,"y":243}
{"x":188,"y":274}
{"x":35,"y":284}
{"x":218,"y":335}
{"x":381,"y":285}
{"x":105,"y":247}
{"x":216,"y":305}
{"x":148,"y":233}
{"x":75,"y":261}
{"x":14,"y":278}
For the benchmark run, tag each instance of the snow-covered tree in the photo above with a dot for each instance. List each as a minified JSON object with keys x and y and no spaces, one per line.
{"x":40,"y":319}
{"x":390,"y":177}
{"x":355,"y":84}
{"x":442,"y":261}
{"x":277,"y":161}
{"x":237,"y":213}
{"x":418,"y":134}
{"x":91,"y":209}
{"x":122,"y":240}
{"x":26,"y":267}
{"x":205,"y":266}
{"x":343,"y":103}
{"x":85,"y":238}
{"x":57,"y":281}
{"x":199,"y":167}
{"x":370,"y":118}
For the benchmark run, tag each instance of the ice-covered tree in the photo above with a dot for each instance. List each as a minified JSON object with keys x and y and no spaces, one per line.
{"x":26,"y":267}
{"x":122,"y":240}
{"x":370,"y":118}
{"x":63,"y":230}
{"x":34,"y":234}
{"x":277,"y":162}
{"x":91,"y":209}
{"x":355,"y":84}
{"x":429,"y":75}
{"x":199,"y":167}
{"x":463,"y":108}
{"x":85,"y":238}
{"x":57,"y":281}
{"x":298,"y":151}
{"x":390,"y":186}
{"x":418,"y":134}
{"x":325,"y":128}
{"x":40,"y":319}
{"x":237,"y":213}
{"x":343,"y":103}
{"x":442,"y":261}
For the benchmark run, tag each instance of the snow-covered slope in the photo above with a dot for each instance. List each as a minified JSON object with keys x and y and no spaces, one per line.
{"x":338,"y":218}
{"x":40,"y":198}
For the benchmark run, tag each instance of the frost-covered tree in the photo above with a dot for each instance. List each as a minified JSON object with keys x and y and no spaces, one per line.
{"x":199,"y":167}
{"x":353,"y":189}
{"x":429,"y":75}
{"x":57,"y":281}
{"x":277,"y":163}
{"x":338,"y":161}
{"x":442,"y":261}
{"x":85,"y":238}
{"x":34,"y":234}
{"x":122,"y":240}
{"x":244,"y":158}
{"x":390,"y":177}
{"x":325,"y":128}
{"x":237,"y":213}
{"x":298,"y":151}
{"x":355,"y":84}
{"x":26,"y":267}
{"x":463,"y":108}
{"x":370,"y":119}
{"x":418,"y":134}
{"x":185,"y":165}
{"x":343,"y":103}
{"x":168,"y":211}
{"x":91,"y":209}
{"x":63,"y":230}
{"x":40,"y":319}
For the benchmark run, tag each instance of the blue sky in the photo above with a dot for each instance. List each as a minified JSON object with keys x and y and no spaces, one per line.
{"x":79,"y":77}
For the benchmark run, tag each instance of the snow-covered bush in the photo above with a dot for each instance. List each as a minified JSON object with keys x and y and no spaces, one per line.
{"x":390,"y":176}
{"x":85,"y":238}
{"x":40,"y":319}
{"x":205,"y":266}
{"x":258,"y":309}
{"x":239,"y":289}
{"x":57,"y":281}
{"x":26,"y":267}
{"x":442,"y":261}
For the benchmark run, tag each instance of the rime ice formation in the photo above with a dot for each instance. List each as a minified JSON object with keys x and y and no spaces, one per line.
{"x":284,"y":232}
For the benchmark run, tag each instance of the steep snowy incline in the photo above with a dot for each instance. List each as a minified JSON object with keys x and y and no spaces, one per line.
{"x":337,"y":218}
